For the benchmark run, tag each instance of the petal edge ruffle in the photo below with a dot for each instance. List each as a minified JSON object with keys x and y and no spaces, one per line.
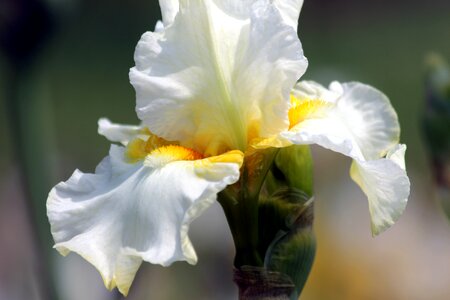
{"x":128,"y":213}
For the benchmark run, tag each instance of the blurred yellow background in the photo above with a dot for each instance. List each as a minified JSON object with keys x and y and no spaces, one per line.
{"x":79,"y":73}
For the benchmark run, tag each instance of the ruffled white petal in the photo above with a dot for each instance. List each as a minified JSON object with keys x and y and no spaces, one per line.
{"x":159,"y":27}
{"x":118,"y":133}
{"x":397,"y":155}
{"x":169,"y":9}
{"x":128,"y":213}
{"x":358,"y":121}
{"x":312,"y":90}
{"x":213,"y":78}
{"x":386,"y":185}
{"x":290,"y":11}
{"x":361,"y":123}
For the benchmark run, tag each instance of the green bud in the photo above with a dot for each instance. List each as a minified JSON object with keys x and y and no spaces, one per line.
{"x":286,"y":239}
{"x":286,"y":235}
{"x":437,"y":75}
{"x":436,"y":125}
{"x":292,"y":168}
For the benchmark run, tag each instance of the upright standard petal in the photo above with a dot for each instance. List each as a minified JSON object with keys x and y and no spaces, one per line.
{"x":128,"y":213}
{"x":213,"y":80}
{"x":290,"y":11}
{"x":169,"y":9}
{"x":358,"y":121}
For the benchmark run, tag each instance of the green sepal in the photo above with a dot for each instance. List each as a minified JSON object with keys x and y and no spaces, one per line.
{"x":240,"y":204}
{"x":292,"y":168}
{"x":286,"y":235}
{"x":286,"y":240}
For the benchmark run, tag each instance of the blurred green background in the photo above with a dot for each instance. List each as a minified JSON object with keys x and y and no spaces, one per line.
{"x":79,"y":72}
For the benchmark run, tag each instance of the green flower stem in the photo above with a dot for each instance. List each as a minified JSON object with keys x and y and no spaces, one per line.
{"x":257,"y":283}
{"x":270,"y":213}
{"x":243,"y":222}
{"x":240,"y":204}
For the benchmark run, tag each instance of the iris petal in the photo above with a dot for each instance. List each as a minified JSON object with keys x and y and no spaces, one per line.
{"x":290,"y":10}
{"x":361,"y":123}
{"x":212,"y":79}
{"x":358,"y":121}
{"x":119,"y":133}
{"x":128,"y":213}
{"x":386,"y":185}
{"x":169,"y":9}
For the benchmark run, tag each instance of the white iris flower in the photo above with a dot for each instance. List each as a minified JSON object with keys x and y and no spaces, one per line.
{"x":214,"y":80}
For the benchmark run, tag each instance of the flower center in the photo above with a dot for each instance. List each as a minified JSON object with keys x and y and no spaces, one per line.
{"x":138,"y":148}
{"x":166,"y":154}
{"x":157,"y":151}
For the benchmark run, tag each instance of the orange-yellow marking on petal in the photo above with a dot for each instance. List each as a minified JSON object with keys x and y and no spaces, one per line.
{"x":154,"y":142}
{"x":275,"y":141}
{"x":205,"y":168}
{"x":166,"y":154}
{"x":234,"y":156}
{"x":138,"y":148}
{"x":302,"y":109}
{"x":176,"y":152}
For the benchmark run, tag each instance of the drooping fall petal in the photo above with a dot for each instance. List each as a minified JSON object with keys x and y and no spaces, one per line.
{"x":358,"y":121}
{"x":128,"y":213}
{"x":386,"y":185}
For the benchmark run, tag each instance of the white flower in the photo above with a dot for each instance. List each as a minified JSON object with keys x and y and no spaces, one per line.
{"x":213,"y":81}
{"x":212,"y":77}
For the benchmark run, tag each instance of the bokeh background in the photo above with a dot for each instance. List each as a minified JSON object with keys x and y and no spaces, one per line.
{"x":67,"y":66}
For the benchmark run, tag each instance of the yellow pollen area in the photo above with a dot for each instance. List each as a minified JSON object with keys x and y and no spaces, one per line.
{"x":302,"y":109}
{"x":158,"y":152}
{"x":138,"y":149}
{"x":175,"y":152}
